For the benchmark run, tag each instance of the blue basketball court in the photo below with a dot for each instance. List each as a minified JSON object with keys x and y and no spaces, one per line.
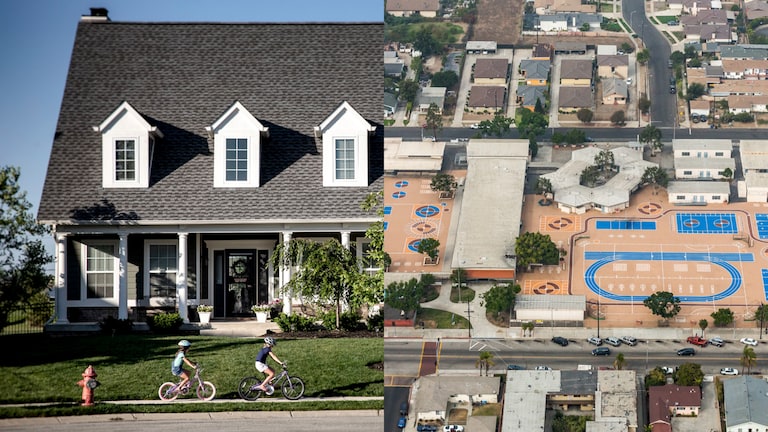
{"x":706,"y":223}
{"x":762,"y":225}
{"x":765,"y":282}
{"x":625,"y":224}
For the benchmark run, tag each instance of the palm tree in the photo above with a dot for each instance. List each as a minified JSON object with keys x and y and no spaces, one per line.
{"x":619,"y":362}
{"x":485,"y":361}
{"x":703,"y":324}
{"x":748,"y":358}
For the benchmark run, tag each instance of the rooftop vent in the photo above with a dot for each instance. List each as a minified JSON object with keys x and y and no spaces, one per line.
{"x":97,"y":15}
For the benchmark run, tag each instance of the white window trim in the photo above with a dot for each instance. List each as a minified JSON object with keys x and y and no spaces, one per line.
{"x":112,"y":162}
{"x":103,"y":301}
{"x":361,"y":242}
{"x":356,"y":168}
{"x":156,"y":301}
{"x":236,"y":123}
{"x":345,"y":123}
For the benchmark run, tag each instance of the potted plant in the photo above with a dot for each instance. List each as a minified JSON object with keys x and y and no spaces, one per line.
{"x":204,"y":311}
{"x":428,"y":247}
{"x":261,"y":311}
{"x":445,"y":184}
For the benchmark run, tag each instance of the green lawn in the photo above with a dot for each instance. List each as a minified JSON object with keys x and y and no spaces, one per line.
{"x":466,"y":294}
{"x":442,"y":319}
{"x":132,"y":367}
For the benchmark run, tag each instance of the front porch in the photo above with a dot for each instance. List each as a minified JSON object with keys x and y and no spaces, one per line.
{"x":244,"y":327}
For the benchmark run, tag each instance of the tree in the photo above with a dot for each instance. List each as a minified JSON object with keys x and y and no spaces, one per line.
{"x":500,"y":298}
{"x":677,"y":58}
{"x":651,"y":135}
{"x":533,"y":147}
{"x":22,"y":254}
{"x":604,"y":159}
{"x":722,"y":317}
{"x":405,"y":295}
{"x":442,"y":182}
{"x":531,"y":123}
{"x":528,"y":327}
{"x":690,"y":51}
{"x":689,"y":374}
{"x":538,"y":108}
{"x":497,"y":127}
{"x":589,"y":176}
{"x":695,"y":90}
{"x":663,"y":304}
{"x":434,"y":119}
{"x":426,"y":42}
{"x":655,"y":377}
{"x":370,"y":289}
{"x":408,"y":90}
{"x":703,"y":324}
{"x":656,"y":176}
{"x":627,"y":47}
{"x":728,"y":174}
{"x":428,"y":246}
{"x":447,"y":78}
{"x":643,"y":56}
{"x":544,"y":188}
{"x":535,"y":248}
{"x":618,"y":118}
{"x":644,"y":104}
{"x":748,"y":358}
{"x":619,"y":362}
{"x":585,"y":115}
{"x":485,"y":361}
{"x":327,"y":271}
{"x":575,"y":136}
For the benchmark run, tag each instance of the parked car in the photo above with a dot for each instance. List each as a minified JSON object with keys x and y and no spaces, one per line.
{"x":716,"y":341}
{"x":401,"y":422}
{"x":543,"y":368}
{"x":426,"y":428}
{"x":629,"y":340}
{"x":729,"y":371}
{"x":560,"y":340}
{"x":594,"y":340}
{"x":515,"y":367}
{"x":601,"y":351}
{"x":613,"y":341}
{"x":749,"y":341}
{"x":672,"y":89}
{"x":697,"y":340}
{"x":404,"y":409}
{"x":629,"y":81}
{"x":453,"y":428}
{"x":669,"y":370}
{"x":686,"y":352}
{"x":474,"y":126}
{"x":672,"y":23}
{"x":695,"y":118}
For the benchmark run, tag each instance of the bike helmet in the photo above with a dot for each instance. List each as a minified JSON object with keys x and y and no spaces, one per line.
{"x":270,"y":341}
{"x":185,"y":343}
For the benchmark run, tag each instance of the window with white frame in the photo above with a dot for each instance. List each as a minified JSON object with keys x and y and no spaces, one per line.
{"x":716,"y":197}
{"x":100,"y":270}
{"x":687,"y":172}
{"x":345,"y":159}
{"x":685,"y":153}
{"x":680,"y":197}
{"x":237,"y":160}
{"x":125,"y":160}
{"x":162,"y":269}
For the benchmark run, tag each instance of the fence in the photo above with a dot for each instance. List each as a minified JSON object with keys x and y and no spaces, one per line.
{"x":28,"y":319}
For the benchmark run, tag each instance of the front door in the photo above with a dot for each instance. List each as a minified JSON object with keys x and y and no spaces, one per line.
{"x":243,"y":282}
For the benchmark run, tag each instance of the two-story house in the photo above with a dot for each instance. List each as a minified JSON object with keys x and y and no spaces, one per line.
{"x":186,"y":152}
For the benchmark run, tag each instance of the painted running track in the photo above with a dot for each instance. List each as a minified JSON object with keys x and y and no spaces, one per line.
{"x":720,"y":259}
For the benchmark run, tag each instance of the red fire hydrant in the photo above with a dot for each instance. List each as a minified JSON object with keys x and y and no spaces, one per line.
{"x":88,"y":383}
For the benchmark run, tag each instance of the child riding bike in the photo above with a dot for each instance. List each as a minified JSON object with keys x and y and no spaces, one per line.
{"x":179,"y":360}
{"x":261,"y":363}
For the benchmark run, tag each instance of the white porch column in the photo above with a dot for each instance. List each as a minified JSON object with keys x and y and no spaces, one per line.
{"x":285,"y":275}
{"x":181,"y":278}
{"x":61,"y":280}
{"x":122,"y":274}
{"x":345,"y":239}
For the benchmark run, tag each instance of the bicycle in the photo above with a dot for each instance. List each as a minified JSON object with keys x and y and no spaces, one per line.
{"x":292,"y":387}
{"x":169,"y":391}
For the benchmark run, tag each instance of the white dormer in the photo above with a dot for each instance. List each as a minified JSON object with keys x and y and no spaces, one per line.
{"x":127,"y":144}
{"x":345,"y":147}
{"x":236,"y":148}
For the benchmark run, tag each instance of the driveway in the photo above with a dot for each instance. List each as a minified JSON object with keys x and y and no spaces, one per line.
{"x":709,"y":416}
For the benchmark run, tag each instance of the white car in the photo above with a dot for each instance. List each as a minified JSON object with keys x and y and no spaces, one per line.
{"x":474,"y":126}
{"x":729,"y":371}
{"x":594,"y":340}
{"x":749,"y":341}
{"x":543,"y":368}
{"x":613,"y":341}
{"x":453,"y":428}
{"x":669,"y":370}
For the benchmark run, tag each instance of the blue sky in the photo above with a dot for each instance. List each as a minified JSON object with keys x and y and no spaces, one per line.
{"x":36,"y":38}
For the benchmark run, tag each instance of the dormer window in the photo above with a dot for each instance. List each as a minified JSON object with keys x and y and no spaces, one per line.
{"x":345,"y":147}
{"x":237,"y":148}
{"x":127,"y":144}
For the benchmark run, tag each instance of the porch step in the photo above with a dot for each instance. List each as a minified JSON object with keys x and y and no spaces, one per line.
{"x":239,"y":328}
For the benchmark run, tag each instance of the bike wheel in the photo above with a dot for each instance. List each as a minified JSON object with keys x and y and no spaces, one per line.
{"x":206,"y":391}
{"x":166,"y":392}
{"x":247,"y":388}
{"x":293,"y":388}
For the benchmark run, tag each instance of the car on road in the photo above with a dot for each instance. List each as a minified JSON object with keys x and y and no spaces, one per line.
{"x":515,"y":367}
{"x":697,"y":340}
{"x":669,"y":370}
{"x":686,"y":352}
{"x":474,"y":126}
{"x":629,"y":340}
{"x":589,"y":139}
{"x":716,"y":341}
{"x":613,"y":341}
{"x":629,"y":81}
{"x":560,"y":340}
{"x":672,"y":89}
{"x":453,"y":428}
{"x":543,"y":368}
{"x":426,"y":428}
{"x":601,"y":351}
{"x":594,"y":340}
{"x":748,"y":341}
{"x":401,"y":422}
{"x":404,"y":409}
{"x":729,"y":371}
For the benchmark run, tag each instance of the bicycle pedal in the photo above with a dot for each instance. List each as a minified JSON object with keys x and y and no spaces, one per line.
{"x":270,"y":390}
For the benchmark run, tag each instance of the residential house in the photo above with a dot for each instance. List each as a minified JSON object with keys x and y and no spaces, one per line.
{"x":171,"y":179}
{"x":700,"y":107}
{"x":432,"y":95}
{"x":756,"y":9}
{"x":574,"y":22}
{"x":486,"y":98}
{"x":549,"y":7}
{"x":406,"y":8}
{"x":747,"y":104}
{"x":393,"y":65}
{"x":570,"y":47}
{"x":390,"y":104}
{"x":670,"y":400}
{"x":573,"y":99}
{"x":710,"y":33}
{"x":610,"y":66}
{"x":739,"y":88}
{"x":481,"y":47}
{"x":433,"y":396}
{"x":535,"y":72}
{"x":528,"y":95}
{"x":491,"y":71}
{"x":745,"y":69}
{"x":744,"y":52}
{"x":541,"y":52}
{"x":615,"y":91}
{"x":689,"y":7}
{"x":746,"y":404}
{"x":576,"y":72}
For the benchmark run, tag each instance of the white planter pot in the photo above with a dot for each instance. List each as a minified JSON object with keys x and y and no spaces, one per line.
{"x":205,"y":317}
{"x":261,"y":317}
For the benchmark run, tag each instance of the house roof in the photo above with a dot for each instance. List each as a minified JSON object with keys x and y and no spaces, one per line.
{"x":743,"y":51}
{"x":576,"y":69}
{"x":614,"y":86}
{"x":576,"y":97}
{"x":491,"y":68}
{"x":612,"y":60}
{"x":487,"y":96}
{"x":746,"y":400}
{"x":181,"y":77}
{"x":660,"y":398}
{"x":413,"y":5}
{"x":535,"y":69}
{"x":529,"y":95}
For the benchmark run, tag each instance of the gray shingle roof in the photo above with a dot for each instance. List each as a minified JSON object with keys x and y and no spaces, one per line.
{"x":182,"y":77}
